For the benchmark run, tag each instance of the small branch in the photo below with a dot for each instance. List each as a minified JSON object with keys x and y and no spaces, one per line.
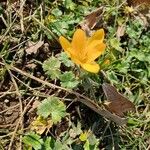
{"x":19,"y":121}
{"x":81,"y":98}
{"x":21,"y":109}
{"x":45,"y":28}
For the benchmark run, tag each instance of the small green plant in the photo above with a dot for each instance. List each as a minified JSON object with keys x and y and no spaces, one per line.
{"x":52,"y":107}
{"x":68,"y":80}
{"x":53,"y":103}
{"x":52,"y":67}
{"x":33,"y":140}
{"x":63,"y":57}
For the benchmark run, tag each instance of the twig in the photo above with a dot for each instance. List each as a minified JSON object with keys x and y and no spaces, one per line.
{"x":2,"y":94}
{"x":20,"y":102}
{"x":22,"y":2}
{"x":9,"y":108}
{"x":11,"y":24}
{"x":113,"y":142}
{"x":83,"y":99}
{"x":45,"y":28}
{"x":14,"y":133}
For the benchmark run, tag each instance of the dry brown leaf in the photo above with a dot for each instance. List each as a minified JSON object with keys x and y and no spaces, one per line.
{"x":31,"y":65}
{"x":34,"y":106}
{"x":138,"y":2}
{"x":120,"y":31}
{"x":40,"y":125}
{"x":33,"y":47}
{"x":94,"y":17}
{"x":118,"y":104}
{"x":92,"y":20}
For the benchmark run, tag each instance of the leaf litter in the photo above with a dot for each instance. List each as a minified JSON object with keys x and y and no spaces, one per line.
{"x":29,"y":88}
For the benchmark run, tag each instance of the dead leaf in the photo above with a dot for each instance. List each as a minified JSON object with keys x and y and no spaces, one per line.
{"x":117,"y":103}
{"x":144,"y":18}
{"x":138,"y":2}
{"x":33,"y":47}
{"x":92,"y":20}
{"x":34,"y":106}
{"x":31,"y":65}
{"x":94,"y":17}
{"x":120,"y":31}
{"x":40,"y":125}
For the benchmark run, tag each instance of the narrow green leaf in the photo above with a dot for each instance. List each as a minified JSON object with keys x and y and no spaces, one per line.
{"x":33,"y":140}
{"x":47,"y":144}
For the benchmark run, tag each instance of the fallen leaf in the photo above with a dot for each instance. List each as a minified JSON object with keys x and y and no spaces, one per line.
{"x":138,"y":2}
{"x":40,"y":125}
{"x":34,"y":106}
{"x":92,"y":20}
{"x":31,"y":65}
{"x":33,"y":47}
{"x":120,"y":31}
{"x":94,"y":17}
{"x":116,"y":103}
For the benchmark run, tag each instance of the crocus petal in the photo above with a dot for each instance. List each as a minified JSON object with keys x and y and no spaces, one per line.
{"x":98,"y":35}
{"x":75,"y":59}
{"x":91,"y":67}
{"x":79,"y":41}
{"x":95,"y":51}
{"x":65,"y":44}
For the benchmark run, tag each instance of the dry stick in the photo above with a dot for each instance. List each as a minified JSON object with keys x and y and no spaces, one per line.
{"x":22,"y":2}
{"x":148,"y":147}
{"x":20,"y":102}
{"x":45,"y":28}
{"x":9,"y":108}
{"x":2,"y":94}
{"x":81,"y":98}
{"x":10,"y":26}
{"x":17,"y":126}
{"x":11,"y":133}
{"x":16,"y":46}
{"x":13,"y":107}
{"x":111,"y":134}
{"x":4,"y":136}
{"x":17,"y":89}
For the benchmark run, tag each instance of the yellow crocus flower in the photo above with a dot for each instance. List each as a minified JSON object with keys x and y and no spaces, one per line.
{"x":84,"y":50}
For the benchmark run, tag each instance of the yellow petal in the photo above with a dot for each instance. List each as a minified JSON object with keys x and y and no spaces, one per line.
{"x":75,"y":59}
{"x":91,"y":67}
{"x":64,"y":43}
{"x":95,"y":51}
{"x":79,"y":41}
{"x":98,"y":35}
{"x":84,"y":136}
